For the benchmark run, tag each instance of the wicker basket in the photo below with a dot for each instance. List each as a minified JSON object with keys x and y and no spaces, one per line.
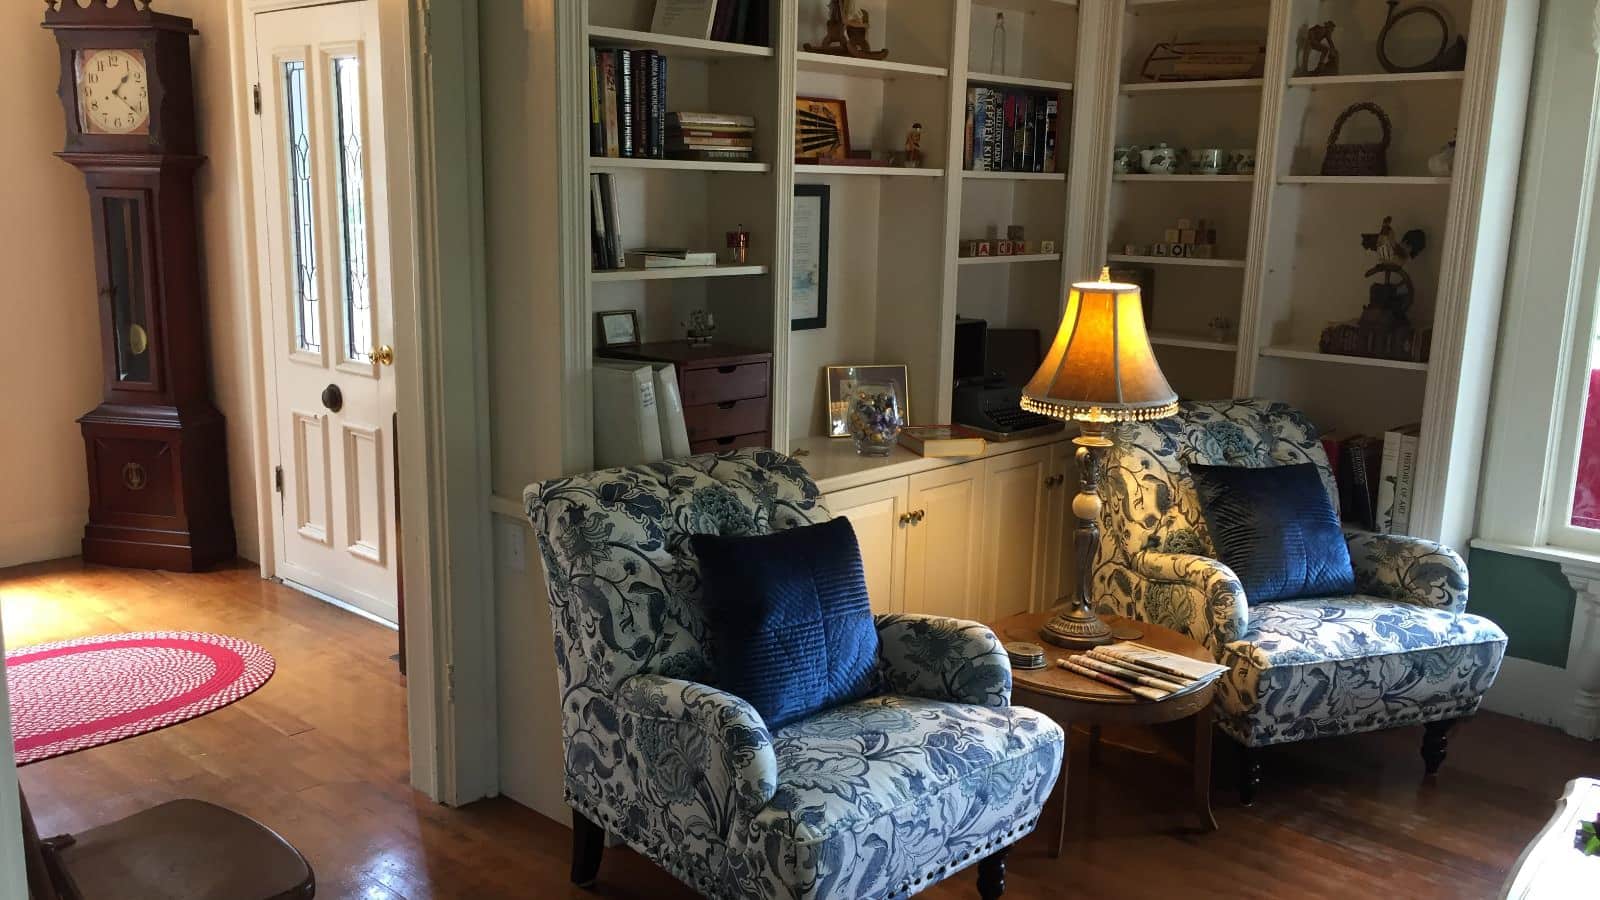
{"x":1357,"y":159}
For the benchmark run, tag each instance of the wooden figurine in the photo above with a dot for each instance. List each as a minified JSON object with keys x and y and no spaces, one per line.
{"x":846,"y":35}
{"x":913,"y":157}
{"x":1318,"y":39}
{"x":1384,"y":330}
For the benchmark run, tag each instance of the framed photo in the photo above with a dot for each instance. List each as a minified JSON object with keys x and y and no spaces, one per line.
{"x":821,"y":129}
{"x":840,"y":379}
{"x":808,"y":255}
{"x":619,"y":328}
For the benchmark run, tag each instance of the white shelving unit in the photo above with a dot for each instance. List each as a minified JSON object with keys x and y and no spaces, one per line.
{"x":1288,"y":258}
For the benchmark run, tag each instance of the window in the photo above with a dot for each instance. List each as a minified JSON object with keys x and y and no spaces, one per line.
{"x":350,"y":172}
{"x":302,"y":225}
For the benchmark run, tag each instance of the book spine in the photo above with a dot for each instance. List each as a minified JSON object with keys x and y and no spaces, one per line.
{"x":741,"y":20}
{"x":980,"y":126}
{"x":1052,"y":113}
{"x":597,"y":138}
{"x":1333,"y":449}
{"x":597,"y":226}
{"x":1138,"y":690}
{"x":641,"y":103}
{"x":722,"y":23}
{"x":1018,"y":133}
{"x":760,"y":24}
{"x":966,"y":144}
{"x":625,"y":102}
{"x":1039,"y":126}
{"x":991,"y":143}
{"x":1028,"y":132}
{"x":1360,"y":488}
{"x":613,"y":222}
{"x":1405,"y":484}
{"x":1388,"y":471}
{"x":658,"y":106}
{"x":608,"y":102}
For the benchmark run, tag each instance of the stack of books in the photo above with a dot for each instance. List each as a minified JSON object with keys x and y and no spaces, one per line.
{"x":1011,"y":131}
{"x":1142,"y":670}
{"x":627,"y":103}
{"x":1375,"y":477}
{"x":605,"y":240}
{"x":710,"y":136}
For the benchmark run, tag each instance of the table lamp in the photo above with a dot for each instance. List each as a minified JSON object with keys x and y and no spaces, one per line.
{"x":1100,"y":371}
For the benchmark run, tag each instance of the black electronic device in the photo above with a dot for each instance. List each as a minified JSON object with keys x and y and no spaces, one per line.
{"x":993,"y":408}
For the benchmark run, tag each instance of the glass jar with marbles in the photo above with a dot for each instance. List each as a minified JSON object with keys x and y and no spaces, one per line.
{"x":875,"y":418}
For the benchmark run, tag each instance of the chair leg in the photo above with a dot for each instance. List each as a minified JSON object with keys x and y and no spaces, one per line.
{"x":588,"y":842}
{"x":1435,"y":742}
{"x":992,"y":876}
{"x":1249,"y":774}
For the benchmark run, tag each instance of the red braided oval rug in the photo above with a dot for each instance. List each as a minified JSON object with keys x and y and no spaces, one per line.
{"x":77,"y":694}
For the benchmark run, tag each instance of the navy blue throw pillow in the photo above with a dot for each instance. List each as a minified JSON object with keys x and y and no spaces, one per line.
{"x":788,"y":612}
{"x":1276,"y":529}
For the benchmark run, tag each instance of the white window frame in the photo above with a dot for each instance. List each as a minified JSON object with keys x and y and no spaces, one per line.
{"x":1550,"y":302}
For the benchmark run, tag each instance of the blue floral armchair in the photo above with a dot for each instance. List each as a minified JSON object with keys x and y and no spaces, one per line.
{"x":1403,"y":651}
{"x":877,"y":798}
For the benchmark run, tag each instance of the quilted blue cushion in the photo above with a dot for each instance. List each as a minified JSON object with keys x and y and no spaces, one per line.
{"x":1276,"y":529}
{"x":792,"y":629}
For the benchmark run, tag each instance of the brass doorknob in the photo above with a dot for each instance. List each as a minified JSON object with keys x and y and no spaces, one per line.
{"x":383,"y":356}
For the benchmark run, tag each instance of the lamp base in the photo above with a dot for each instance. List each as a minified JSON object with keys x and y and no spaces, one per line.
{"x":1075,"y":627}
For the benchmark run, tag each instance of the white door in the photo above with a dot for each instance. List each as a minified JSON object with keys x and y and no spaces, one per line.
{"x":946,"y":507}
{"x":878,"y":514}
{"x":1015,"y":503}
{"x":321,"y":161}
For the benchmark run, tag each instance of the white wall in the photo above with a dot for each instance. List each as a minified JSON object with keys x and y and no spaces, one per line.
{"x":517,"y":47}
{"x":51,"y":367}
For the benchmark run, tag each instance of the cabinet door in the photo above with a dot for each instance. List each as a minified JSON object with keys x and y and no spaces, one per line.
{"x":1060,"y":556}
{"x":875,"y":512}
{"x":1014,"y":531}
{"x":942,"y":542}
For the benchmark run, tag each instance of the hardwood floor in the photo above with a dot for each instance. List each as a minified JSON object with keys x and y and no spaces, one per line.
{"x":319,"y":754}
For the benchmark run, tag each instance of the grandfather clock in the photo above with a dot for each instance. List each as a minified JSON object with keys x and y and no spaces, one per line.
{"x":158,"y":477}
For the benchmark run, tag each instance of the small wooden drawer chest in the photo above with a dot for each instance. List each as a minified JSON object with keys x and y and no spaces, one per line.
{"x":726,"y":391}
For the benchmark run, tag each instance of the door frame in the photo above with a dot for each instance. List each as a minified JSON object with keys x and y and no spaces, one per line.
{"x":434,"y":166}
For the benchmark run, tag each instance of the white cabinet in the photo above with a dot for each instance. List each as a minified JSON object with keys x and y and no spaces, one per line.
{"x":977,"y":539}
{"x":1015,"y":529}
{"x":879,"y":514}
{"x":943,"y":539}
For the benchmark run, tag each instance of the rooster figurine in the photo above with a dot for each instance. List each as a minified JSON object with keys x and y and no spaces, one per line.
{"x":1394,"y":252}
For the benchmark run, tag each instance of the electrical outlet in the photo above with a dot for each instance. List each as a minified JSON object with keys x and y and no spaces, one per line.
{"x":513,"y":545}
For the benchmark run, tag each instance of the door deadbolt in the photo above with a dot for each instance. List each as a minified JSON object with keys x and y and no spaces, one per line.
{"x":333,"y":398}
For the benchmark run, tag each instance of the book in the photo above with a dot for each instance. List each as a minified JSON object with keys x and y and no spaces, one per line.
{"x":599,"y":256}
{"x":942,"y":441}
{"x":718,"y":155}
{"x":658,"y":106}
{"x":741,"y":19}
{"x":722,"y":22}
{"x":1052,"y":113}
{"x":1405,"y":478}
{"x":597,"y":135}
{"x":638,"y":259}
{"x":1362,"y":456}
{"x":1182,"y":667}
{"x":1388,"y":469}
{"x":1137,"y":690}
{"x":966,"y":143}
{"x":685,"y":18}
{"x":613,"y":220}
{"x":608,"y":101}
{"x":710,"y":143}
{"x":712,"y":119}
{"x":757,"y":29}
{"x":625,"y":103}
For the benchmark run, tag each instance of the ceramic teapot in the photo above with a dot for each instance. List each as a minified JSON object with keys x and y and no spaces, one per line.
{"x":1160,"y":159}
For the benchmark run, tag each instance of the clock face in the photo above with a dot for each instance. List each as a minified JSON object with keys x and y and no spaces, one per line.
{"x":113,"y":92}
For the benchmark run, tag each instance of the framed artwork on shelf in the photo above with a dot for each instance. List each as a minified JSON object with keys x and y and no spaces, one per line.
{"x":821,"y":129}
{"x":840,"y":379}
{"x":808,"y":258}
{"x":618,"y":328}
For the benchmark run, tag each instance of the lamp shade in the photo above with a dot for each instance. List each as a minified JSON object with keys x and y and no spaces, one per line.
{"x":1101,"y":367}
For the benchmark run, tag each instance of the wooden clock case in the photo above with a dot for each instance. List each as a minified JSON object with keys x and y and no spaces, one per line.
{"x":156,"y":447}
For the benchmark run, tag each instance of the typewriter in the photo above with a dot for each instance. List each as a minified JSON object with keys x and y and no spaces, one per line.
{"x":991,"y":406}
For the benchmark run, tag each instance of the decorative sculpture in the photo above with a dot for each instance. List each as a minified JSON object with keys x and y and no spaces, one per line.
{"x":1384,"y":330}
{"x":1318,"y":39}
{"x":846,"y":35}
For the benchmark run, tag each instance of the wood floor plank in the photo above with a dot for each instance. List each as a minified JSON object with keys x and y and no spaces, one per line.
{"x":319,"y":754}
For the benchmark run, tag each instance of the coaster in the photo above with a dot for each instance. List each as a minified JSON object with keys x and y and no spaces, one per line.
{"x":1025,"y":655}
{"x":1126,"y":631}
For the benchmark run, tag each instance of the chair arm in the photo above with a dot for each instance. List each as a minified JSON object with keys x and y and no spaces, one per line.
{"x":943,"y":659}
{"x":1194,"y":595}
{"x":1408,"y":570}
{"x":735,"y":754}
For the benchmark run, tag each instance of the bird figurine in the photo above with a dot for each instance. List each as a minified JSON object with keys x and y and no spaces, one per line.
{"x":1391,"y":251}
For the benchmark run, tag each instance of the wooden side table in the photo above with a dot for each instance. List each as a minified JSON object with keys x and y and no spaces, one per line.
{"x":1068,"y":697}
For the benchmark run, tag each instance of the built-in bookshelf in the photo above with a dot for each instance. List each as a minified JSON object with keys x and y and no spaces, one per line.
{"x":1287,"y":257}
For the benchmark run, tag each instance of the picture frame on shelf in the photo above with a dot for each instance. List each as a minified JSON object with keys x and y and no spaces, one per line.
{"x":839,"y":380}
{"x":616,"y":328}
{"x":821,"y":129}
{"x":808,"y":258}
{"x":684,"y":18}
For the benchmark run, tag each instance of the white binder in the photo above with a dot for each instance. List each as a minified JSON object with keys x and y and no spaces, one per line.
{"x":669,"y":409}
{"x":627,"y":428}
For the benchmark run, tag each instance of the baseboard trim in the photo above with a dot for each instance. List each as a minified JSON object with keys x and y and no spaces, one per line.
{"x":1532,"y":691}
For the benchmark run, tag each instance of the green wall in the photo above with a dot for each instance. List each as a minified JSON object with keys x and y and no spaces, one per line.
{"x":1529,"y":598}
